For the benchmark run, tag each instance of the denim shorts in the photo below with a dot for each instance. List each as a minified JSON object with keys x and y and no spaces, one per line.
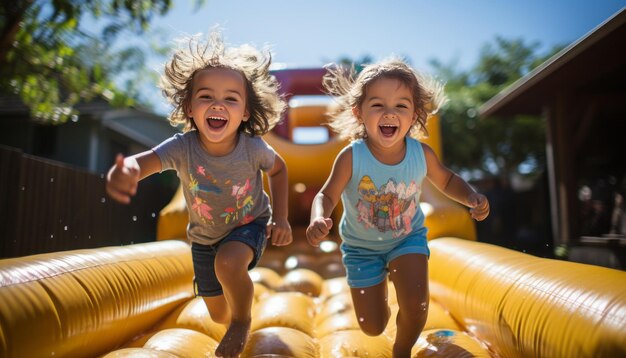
{"x":369,"y":267}
{"x":206,"y":283}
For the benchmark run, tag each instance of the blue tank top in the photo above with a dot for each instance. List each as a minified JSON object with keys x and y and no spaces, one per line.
{"x":381,"y":202}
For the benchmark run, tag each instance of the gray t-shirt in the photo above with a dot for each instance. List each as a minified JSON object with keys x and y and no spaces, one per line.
{"x":222,"y":193}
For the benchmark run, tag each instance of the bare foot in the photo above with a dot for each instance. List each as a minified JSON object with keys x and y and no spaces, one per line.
{"x":234,"y":340}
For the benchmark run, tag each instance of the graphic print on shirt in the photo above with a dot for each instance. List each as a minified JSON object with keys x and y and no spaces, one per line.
{"x":243,"y":205}
{"x":243,"y":202}
{"x":390,"y":207}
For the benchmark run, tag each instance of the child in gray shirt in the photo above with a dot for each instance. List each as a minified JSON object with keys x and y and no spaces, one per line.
{"x":226,"y":98}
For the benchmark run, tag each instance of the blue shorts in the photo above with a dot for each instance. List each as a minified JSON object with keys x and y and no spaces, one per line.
{"x":367,"y":267}
{"x":252,"y":234}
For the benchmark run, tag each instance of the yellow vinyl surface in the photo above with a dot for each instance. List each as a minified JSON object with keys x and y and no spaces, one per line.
{"x":137,"y":300}
{"x":524,"y":306}
{"x":84,"y":302}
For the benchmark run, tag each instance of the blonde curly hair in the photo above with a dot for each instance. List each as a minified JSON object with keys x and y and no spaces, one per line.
{"x":194,"y":54}
{"x":350,"y":90}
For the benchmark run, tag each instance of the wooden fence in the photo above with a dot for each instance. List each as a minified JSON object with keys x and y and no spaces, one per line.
{"x":48,"y":206}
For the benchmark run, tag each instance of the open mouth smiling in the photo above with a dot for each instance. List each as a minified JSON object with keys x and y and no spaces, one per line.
{"x":216,"y":122}
{"x":388,"y":130}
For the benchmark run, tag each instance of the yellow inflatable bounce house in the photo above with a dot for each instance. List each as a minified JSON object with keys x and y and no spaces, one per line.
{"x":138,"y":300}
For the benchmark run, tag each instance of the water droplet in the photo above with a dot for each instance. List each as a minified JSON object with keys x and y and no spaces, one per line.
{"x":65,"y":228}
{"x":153,"y":215}
{"x":132,"y":242}
{"x":89,"y":237}
{"x":362,"y":292}
{"x":52,"y":236}
{"x":23,"y":188}
{"x":51,"y":180}
{"x":291,"y":262}
{"x":361,"y":319}
{"x":101,"y":176}
{"x":134,"y":218}
{"x":103,"y":200}
{"x":394,"y":270}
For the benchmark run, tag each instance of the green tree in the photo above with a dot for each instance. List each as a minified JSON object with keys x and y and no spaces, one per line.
{"x":357,"y":64}
{"x":501,"y":147}
{"x":51,"y":64}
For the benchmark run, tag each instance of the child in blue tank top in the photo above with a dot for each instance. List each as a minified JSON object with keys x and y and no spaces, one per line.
{"x":378,"y":177}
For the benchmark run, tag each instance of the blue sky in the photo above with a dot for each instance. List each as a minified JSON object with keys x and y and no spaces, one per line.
{"x":312,"y":33}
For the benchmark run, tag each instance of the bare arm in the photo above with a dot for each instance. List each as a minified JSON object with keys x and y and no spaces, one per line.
{"x":125,"y":174}
{"x":279,"y":229}
{"x":453,"y":186}
{"x":326,"y":200}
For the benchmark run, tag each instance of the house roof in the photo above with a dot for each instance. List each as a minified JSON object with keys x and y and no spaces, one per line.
{"x":146,"y":128}
{"x":595,"y":64}
{"x":143,"y":127}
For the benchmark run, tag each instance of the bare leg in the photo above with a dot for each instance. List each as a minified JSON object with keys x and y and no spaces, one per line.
{"x":409,"y":274}
{"x":231,"y":269}
{"x":218,"y":309}
{"x":371,"y":308}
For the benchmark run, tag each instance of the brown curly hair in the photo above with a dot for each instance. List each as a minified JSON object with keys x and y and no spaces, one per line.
{"x":263,"y":101}
{"x":350,"y":90}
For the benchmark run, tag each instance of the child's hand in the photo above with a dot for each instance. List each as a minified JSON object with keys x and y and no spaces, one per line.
{"x":280,"y":232}
{"x":318,"y":230}
{"x":479,"y":206}
{"x":122,"y":180}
